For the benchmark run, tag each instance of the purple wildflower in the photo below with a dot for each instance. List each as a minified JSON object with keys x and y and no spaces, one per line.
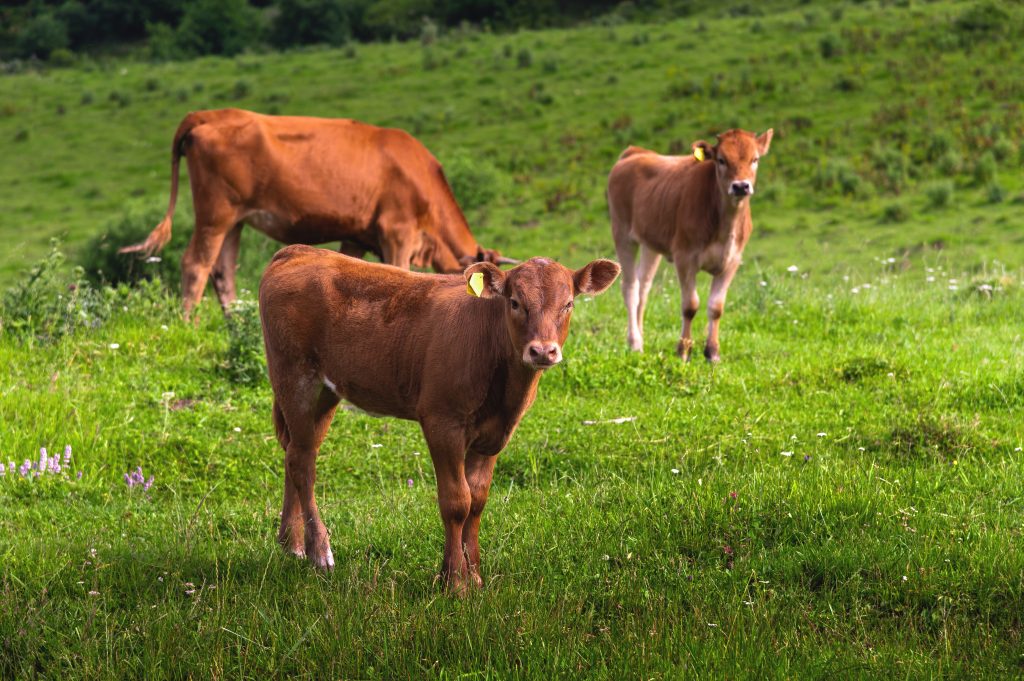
{"x":148,"y":483}
{"x":67,"y":454}
{"x":807,"y":457}
{"x":128,"y":480}
{"x":409,"y":482}
{"x":79,"y":476}
{"x":42,"y":459}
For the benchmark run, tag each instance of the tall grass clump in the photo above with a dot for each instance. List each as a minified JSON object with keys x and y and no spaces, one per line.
{"x":245,"y":362}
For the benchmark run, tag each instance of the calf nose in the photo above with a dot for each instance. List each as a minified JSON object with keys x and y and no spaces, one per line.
{"x":741,"y":188}
{"x":543,"y":354}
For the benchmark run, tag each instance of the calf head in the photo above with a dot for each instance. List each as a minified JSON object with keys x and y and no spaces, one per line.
{"x":735,"y":157}
{"x":538,"y":298}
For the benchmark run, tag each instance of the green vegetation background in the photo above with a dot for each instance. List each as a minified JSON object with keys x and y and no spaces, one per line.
{"x":841,"y":497}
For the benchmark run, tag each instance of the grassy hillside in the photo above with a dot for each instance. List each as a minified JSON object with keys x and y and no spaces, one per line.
{"x":839,"y":498}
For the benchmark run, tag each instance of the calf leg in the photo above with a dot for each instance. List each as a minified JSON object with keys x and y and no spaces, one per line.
{"x":716,"y":305}
{"x":290,"y":534}
{"x":352,"y":249}
{"x":649,"y":261}
{"x":687,"y":273}
{"x":625,"y":249}
{"x":225,"y":267}
{"x":307,"y":426}
{"x":448,"y":452}
{"x":479,"y":471}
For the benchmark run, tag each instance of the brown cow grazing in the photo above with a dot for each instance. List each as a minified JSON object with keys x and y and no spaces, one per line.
{"x":693,"y":209}
{"x":310,"y":181}
{"x":414,"y":346}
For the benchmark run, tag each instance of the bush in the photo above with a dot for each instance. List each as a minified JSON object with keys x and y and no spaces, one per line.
{"x":1003,"y":149}
{"x":950,"y":163}
{"x":830,"y":46}
{"x":245,"y":362}
{"x":891,"y":166}
{"x":994,"y":193}
{"x":474,"y":181}
{"x":984,"y":168}
{"x":982,"y":21}
{"x":839,"y":176}
{"x":218,"y":27}
{"x":61,"y":57}
{"x":524,"y":59}
{"x":428,"y":32}
{"x":48,"y":303}
{"x":895,"y":212}
{"x":303,"y":22}
{"x":102,"y":264}
{"x":939,"y":193}
{"x":43,"y":34}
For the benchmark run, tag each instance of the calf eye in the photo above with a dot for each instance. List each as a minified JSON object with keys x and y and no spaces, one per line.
{"x":514,"y":303}
{"x":721,"y":161}
{"x":568,"y":306}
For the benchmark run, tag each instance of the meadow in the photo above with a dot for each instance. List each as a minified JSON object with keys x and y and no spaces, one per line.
{"x":840,"y":497}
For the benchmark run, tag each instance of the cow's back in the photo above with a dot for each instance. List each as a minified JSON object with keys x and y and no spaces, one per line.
{"x":660,"y":200}
{"x":378,"y":333}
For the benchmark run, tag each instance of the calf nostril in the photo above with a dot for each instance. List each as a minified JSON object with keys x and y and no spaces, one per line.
{"x":552,"y":351}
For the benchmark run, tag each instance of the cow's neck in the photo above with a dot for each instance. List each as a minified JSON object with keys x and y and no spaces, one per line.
{"x":733,"y":219}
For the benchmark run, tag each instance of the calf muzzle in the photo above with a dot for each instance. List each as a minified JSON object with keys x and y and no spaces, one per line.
{"x":541,"y":355}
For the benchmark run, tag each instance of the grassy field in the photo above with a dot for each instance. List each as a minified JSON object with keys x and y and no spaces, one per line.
{"x":839,"y":498}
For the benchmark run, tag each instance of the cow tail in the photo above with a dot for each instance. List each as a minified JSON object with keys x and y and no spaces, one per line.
{"x":161,"y":234}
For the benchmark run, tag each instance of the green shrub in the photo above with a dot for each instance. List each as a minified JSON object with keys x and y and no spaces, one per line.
{"x":102,"y":264}
{"x":982,"y":21}
{"x":995,"y":193}
{"x":475,"y":181}
{"x":524,"y":59}
{"x":217,"y":27}
{"x":428,"y":32}
{"x":41,"y":35}
{"x":891,"y":167}
{"x":984,"y":168}
{"x":839,"y":176}
{"x":895,"y":212}
{"x":939,"y":194}
{"x":245,"y":362}
{"x":830,"y":46}
{"x":1003,"y":149}
{"x":241,"y":89}
{"x":950,"y":163}
{"x":62,"y":57}
{"x":305,"y":22}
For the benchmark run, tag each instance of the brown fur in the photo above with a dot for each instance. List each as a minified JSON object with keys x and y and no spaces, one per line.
{"x":413,"y":346}
{"x":689,"y":211}
{"x":310,"y":181}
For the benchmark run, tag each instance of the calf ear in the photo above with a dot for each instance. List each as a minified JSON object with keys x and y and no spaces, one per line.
{"x":493,"y":280}
{"x":764,"y":140}
{"x":706,"y":151}
{"x":595,"y":277}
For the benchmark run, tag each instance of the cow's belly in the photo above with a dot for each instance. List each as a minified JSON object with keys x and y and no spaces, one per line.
{"x":307,"y":229}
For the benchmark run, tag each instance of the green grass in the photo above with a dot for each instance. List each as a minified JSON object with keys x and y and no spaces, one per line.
{"x":839,"y":498}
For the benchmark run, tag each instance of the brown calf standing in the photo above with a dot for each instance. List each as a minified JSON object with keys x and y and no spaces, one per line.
{"x":302,"y":180}
{"x":418,"y":347}
{"x":696,"y":212}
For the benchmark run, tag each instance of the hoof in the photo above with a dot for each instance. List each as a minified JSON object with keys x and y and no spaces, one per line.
{"x":712,"y":356}
{"x":683,"y":349}
{"x":636,"y":344}
{"x":325,"y":561}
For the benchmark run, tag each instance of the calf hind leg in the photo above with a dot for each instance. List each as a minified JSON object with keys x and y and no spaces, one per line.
{"x":306,"y":431}
{"x":290,"y":534}
{"x":224,"y":269}
{"x":649,"y":262}
{"x":625,"y":250}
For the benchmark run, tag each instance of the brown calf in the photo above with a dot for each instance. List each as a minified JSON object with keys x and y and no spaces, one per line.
{"x":310,"y":181}
{"x":693,"y":209}
{"x":418,"y":347}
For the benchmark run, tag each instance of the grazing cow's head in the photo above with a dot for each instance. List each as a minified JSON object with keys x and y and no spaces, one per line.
{"x":487,"y":255}
{"x":538,"y":297}
{"x":735,"y":158}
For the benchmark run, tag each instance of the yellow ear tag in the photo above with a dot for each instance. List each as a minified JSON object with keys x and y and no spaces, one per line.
{"x":698,"y":153}
{"x":475,"y":285}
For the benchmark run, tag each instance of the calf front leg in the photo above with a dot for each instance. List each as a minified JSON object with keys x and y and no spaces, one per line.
{"x":686,"y":270}
{"x":479,"y":472}
{"x":716,"y":306}
{"x":454,"y":499}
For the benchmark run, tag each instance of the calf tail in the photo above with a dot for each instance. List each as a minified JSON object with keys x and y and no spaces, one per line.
{"x":161,"y":234}
{"x":283,"y":436}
